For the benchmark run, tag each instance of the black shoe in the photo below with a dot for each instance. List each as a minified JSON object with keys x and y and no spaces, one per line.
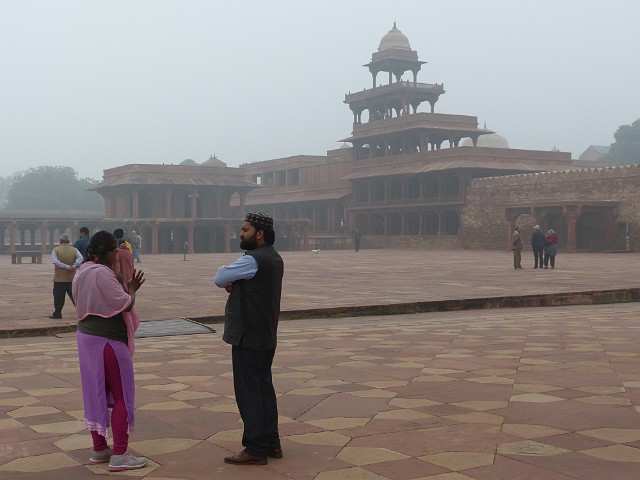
{"x":53,"y":315}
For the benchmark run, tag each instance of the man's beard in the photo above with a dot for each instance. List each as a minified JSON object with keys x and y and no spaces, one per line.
{"x":249,"y":243}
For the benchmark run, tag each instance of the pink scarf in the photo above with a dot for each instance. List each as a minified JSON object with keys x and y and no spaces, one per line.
{"x":97,"y":291}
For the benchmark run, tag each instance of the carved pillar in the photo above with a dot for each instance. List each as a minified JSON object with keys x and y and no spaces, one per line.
{"x":571,"y":214}
{"x":136,"y":209}
{"x":228,"y":229}
{"x":191,"y":238}
{"x":194,"y":202}
{"x":305,"y":238}
{"x":168,"y":202}
{"x":12,"y":237}
{"x":43,"y":238}
{"x":154,"y":238}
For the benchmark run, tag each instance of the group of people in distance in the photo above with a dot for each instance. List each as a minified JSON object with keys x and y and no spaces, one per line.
{"x":102,"y":282}
{"x":545,"y":248}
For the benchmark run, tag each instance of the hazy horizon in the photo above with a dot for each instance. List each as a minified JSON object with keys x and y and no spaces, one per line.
{"x":95,"y":85}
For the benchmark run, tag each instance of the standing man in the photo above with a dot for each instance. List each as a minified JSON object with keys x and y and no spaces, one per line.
{"x":356,"y":239}
{"x":516,"y":246}
{"x":136,"y":245}
{"x":537,"y":244}
{"x":254,"y":284}
{"x":83,"y":241}
{"x":66,"y":259}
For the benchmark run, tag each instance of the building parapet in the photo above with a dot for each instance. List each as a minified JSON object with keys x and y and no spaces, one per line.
{"x":559,"y":176}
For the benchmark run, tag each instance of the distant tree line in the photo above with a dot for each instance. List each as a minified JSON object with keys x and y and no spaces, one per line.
{"x":625,"y":150}
{"x":49,"y":188}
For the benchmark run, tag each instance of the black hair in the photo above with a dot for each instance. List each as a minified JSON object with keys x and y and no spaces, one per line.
{"x":269,"y":235}
{"x":84,"y":230}
{"x":118,"y":233}
{"x":100,"y":244}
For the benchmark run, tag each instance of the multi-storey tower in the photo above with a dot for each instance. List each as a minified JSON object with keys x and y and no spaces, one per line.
{"x":386,"y":120}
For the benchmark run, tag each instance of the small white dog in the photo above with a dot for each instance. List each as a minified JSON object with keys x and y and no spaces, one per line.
{"x":315,"y":251}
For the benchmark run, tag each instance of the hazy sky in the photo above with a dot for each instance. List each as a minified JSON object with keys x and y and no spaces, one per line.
{"x":97,"y":84}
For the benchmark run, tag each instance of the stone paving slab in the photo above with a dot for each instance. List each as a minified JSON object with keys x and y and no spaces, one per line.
{"x":171,"y":327}
{"x":529,"y":393}
{"x":334,"y":278}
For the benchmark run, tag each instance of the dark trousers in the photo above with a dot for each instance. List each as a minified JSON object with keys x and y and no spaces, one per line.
{"x":549,"y":259}
{"x":256,"y":399}
{"x":60,"y":289}
{"x":538,"y":254}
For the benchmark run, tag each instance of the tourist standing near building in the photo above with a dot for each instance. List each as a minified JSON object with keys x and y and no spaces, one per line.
{"x":83,"y":240}
{"x":537,"y":244}
{"x":551,"y":248}
{"x":356,"y":240}
{"x":136,"y":245}
{"x":516,"y":246}
{"x":107,"y":323}
{"x":254,"y":284}
{"x":66,"y":259}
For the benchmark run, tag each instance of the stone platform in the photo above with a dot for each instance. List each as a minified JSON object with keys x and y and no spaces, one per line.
{"x":486,"y":394}
{"x":333,"y":283}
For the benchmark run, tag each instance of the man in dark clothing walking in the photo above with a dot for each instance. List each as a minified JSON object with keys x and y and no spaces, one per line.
{"x":356,"y":240}
{"x":538,"y":243}
{"x":83,"y":240}
{"x":254,"y":284}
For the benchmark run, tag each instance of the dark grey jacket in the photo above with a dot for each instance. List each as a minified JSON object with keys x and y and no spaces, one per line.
{"x":253,"y":306}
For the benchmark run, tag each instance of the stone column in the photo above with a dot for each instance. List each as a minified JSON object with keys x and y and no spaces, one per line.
{"x":12,"y":237}
{"x":305,"y":238}
{"x":43,"y":238}
{"x":191,"y":237}
{"x":194,"y":203}
{"x":154,"y":238}
{"x":571,"y":214}
{"x":168,"y":202}
{"x":228,"y":229}
{"x":136,"y":209}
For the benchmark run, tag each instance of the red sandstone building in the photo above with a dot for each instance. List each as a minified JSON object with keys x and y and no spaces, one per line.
{"x":406,"y":176}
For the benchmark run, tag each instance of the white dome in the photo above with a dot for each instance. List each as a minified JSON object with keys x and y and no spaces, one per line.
{"x":492,"y":140}
{"x":394,"y":39}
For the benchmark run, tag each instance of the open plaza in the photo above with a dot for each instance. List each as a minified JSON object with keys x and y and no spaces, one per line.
{"x":457,"y":393}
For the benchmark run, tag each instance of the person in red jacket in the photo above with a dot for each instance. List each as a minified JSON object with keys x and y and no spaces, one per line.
{"x":550,"y":248}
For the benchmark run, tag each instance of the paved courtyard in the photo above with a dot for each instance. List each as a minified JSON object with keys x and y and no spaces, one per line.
{"x":335,"y":278}
{"x":530,"y":393}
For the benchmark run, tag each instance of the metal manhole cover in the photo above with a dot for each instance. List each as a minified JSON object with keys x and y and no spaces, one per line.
{"x":166,"y":328}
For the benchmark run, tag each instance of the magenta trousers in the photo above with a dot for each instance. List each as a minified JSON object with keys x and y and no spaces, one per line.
{"x":113,"y":385}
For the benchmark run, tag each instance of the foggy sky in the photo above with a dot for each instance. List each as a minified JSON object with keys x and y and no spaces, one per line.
{"x":98,"y":84}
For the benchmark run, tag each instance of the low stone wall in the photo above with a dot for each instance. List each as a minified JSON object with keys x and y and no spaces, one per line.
{"x":483,"y":221}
